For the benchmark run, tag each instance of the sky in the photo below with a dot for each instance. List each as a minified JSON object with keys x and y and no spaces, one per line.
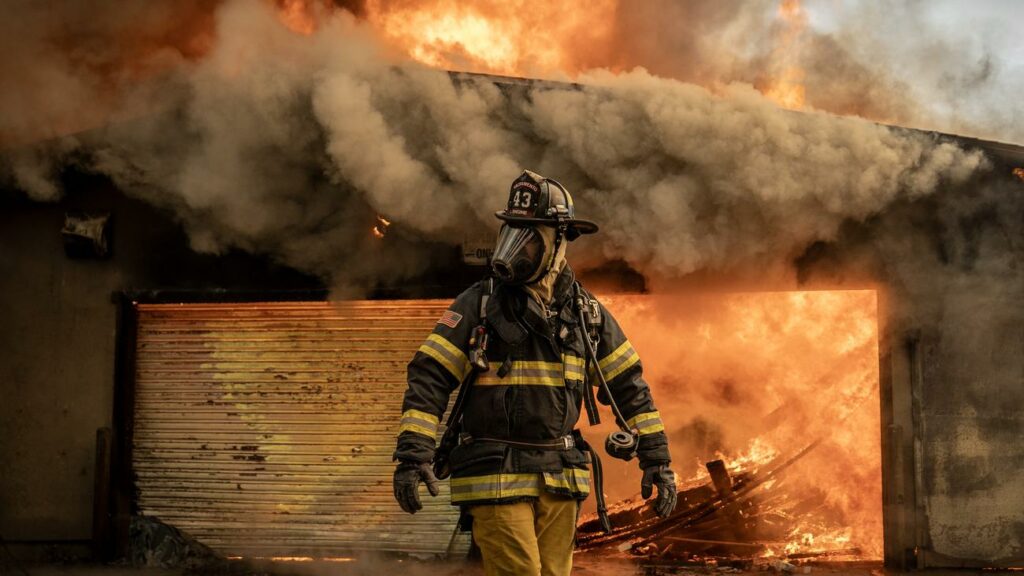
{"x":963,"y":60}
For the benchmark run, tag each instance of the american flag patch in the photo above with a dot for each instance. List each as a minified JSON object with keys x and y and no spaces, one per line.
{"x":450,"y":319}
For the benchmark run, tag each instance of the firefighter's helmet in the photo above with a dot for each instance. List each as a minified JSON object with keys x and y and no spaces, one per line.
{"x":534,"y":199}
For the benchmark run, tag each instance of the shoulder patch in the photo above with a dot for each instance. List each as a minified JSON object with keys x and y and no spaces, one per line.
{"x":450,"y":319}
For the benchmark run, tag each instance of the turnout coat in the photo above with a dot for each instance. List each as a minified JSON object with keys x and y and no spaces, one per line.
{"x":532,"y":393}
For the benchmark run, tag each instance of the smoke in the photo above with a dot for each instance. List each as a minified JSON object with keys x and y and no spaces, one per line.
{"x":719,"y":183}
{"x":290,"y":145}
{"x":89,"y":63}
{"x":919,"y":64}
{"x":963,"y":82}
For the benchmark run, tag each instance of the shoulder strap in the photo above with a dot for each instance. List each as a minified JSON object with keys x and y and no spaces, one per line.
{"x":485,"y":295}
{"x":467,"y":382}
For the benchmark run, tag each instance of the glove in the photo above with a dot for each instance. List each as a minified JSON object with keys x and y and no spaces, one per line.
{"x":662,"y":477}
{"x":408,"y":476}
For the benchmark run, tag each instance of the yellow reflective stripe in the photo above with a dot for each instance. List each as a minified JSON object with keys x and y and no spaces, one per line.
{"x":411,"y":413}
{"x":571,"y":360}
{"x":623,"y":348}
{"x":573,"y":479}
{"x":513,"y":380}
{"x":489,"y":495}
{"x":494,"y":486}
{"x":419,"y":422}
{"x":573,"y":367}
{"x":537,"y":365}
{"x":647,"y":422}
{"x":446,"y":354}
{"x":651,"y":428}
{"x":526,"y":373}
{"x":619,"y":361}
{"x":628,"y":363}
{"x":491,"y":479}
{"x":643,"y":417}
{"x":407,"y":427}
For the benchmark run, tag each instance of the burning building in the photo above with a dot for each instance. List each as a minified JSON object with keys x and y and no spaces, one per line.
{"x":827,"y":307}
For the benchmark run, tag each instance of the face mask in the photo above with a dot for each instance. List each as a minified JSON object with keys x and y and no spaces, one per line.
{"x":522,"y":253}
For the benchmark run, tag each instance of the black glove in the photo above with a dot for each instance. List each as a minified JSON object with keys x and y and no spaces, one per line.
{"x":662,"y":477}
{"x":408,"y":476}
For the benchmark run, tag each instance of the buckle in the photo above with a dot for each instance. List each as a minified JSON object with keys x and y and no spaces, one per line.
{"x":567,"y":442}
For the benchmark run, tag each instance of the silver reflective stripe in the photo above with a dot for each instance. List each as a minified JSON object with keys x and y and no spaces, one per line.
{"x":618,"y":361}
{"x":495,"y":486}
{"x":576,"y":481}
{"x":573,"y":367}
{"x":647,"y":422}
{"x":526,"y":373}
{"x":447,"y":354}
{"x":418,"y":421}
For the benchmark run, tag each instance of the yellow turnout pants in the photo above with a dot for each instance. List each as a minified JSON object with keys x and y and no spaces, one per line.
{"x":531,"y":538}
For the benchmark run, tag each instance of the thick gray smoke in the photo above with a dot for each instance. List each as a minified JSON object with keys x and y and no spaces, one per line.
{"x":937,"y":65}
{"x":290,"y":145}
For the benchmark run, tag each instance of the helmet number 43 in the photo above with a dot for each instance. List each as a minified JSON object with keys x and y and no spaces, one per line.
{"x":522,"y":199}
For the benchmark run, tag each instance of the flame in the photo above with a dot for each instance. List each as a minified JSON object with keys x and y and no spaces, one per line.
{"x":752,"y":379}
{"x":1019,"y":173}
{"x":300,"y":16}
{"x":522,"y":38}
{"x":336,"y":559}
{"x":380,"y":229}
{"x":786,"y":87}
{"x":788,"y":90}
{"x":515,"y":38}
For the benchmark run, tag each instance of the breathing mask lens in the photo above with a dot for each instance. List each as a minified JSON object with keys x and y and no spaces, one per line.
{"x":519,"y":254}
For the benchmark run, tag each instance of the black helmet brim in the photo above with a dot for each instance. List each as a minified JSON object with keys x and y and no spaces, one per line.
{"x":577,"y":226}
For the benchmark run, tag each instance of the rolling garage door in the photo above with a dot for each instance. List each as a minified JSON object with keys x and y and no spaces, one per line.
{"x":267,"y":429}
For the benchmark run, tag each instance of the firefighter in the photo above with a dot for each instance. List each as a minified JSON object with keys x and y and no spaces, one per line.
{"x":520,"y":469}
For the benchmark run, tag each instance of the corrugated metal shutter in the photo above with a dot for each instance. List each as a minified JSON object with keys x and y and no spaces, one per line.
{"x":267,"y":429}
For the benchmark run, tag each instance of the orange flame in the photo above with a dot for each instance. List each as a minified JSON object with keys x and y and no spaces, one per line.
{"x":786,"y":87}
{"x":523,"y":38}
{"x":300,"y":16}
{"x":499,"y":37}
{"x":337,"y":559}
{"x":752,"y":379}
{"x":380,"y":229}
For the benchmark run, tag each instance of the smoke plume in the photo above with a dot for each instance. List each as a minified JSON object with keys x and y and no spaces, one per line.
{"x":287,"y":144}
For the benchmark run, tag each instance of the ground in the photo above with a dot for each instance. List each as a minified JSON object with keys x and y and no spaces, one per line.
{"x":584,"y":566}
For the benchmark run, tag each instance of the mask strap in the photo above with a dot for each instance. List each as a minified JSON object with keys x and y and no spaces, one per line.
{"x":559,"y":236}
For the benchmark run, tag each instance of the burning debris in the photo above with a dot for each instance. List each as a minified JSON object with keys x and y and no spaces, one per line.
{"x":380,"y":229}
{"x":745,"y":384}
{"x":734,"y":515}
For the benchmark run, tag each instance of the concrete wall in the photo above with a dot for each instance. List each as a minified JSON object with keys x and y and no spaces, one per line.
{"x":57,"y":342}
{"x":972,"y":416}
{"x":952,"y":271}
